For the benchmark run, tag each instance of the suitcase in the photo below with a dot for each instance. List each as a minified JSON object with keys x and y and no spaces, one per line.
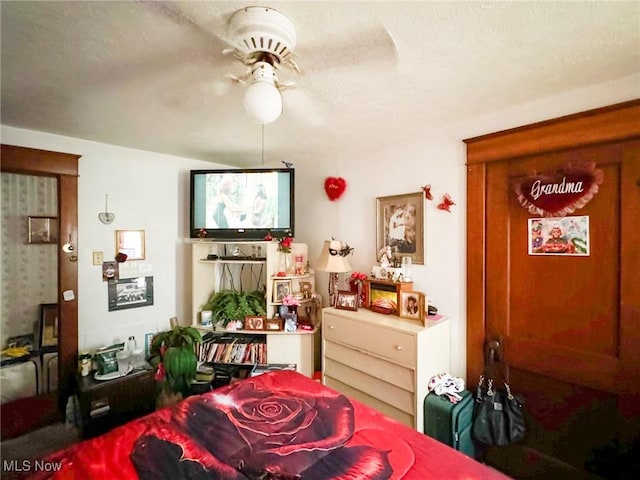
{"x":450,"y":423}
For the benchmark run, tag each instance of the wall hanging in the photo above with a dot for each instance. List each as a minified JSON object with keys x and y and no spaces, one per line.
{"x":559,"y":193}
{"x":427,"y":192}
{"x":334,"y":187}
{"x":400,"y":226}
{"x":130,"y":293}
{"x":446,"y":203}
{"x":43,"y":230}
{"x":106,"y":217}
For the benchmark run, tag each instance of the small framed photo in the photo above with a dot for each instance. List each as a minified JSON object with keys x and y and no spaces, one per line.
{"x":273,"y":324}
{"x":281,"y":288}
{"x":412,"y":306}
{"x":43,"y":230}
{"x":253,"y":323}
{"x":346,"y":300}
{"x":49,"y":326}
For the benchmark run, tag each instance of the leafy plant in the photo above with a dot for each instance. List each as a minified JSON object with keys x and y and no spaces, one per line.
{"x":229,"y":305}
{"x":176,"y":351}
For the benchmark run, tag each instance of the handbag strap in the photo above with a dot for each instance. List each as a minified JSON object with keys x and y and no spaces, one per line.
{"x":493,"y":357}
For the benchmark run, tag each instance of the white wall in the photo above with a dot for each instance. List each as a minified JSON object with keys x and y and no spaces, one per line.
{"x":146,"y":191}
{"x":150,"y":191}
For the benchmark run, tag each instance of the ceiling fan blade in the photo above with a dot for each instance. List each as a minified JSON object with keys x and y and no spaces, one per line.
{"x":374,"y":44}
{"x":300,"y":104}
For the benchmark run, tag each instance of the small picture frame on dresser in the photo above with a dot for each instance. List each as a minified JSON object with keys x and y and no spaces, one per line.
{"x":281,"y":288}
{"x":253,"y":322}
{"x":411,"y":306}
{"x":346,"y":300}
{"x":273,"y":324}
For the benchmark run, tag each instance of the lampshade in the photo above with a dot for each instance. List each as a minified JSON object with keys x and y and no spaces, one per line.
{"x":330,"y":261}
{"x":263,"y":100}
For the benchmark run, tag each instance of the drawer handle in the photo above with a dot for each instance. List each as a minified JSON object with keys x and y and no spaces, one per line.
{"x":398,"y":347}
{"x":332,"y":327}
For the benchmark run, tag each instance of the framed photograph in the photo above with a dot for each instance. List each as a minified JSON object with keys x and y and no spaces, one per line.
{"x":48,"y":326}
{"x":273,"y":324}
{"x":253,"y":323}
{"x":131,"y":243}
{"x":400,"y":225}
{"x":43,"y":230}
{"x":412,"y":306}
{"x":346,"y":300}
{"x":110,"y":271}
{"x":559,"y":236}
{"x":130,"y":293}
{"x":281,"y":288}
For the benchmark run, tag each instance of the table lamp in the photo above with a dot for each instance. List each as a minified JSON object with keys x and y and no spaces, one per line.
{"x":331,"y":261}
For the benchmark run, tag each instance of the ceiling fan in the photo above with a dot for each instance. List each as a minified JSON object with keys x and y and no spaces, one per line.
{"x":264,"y":41}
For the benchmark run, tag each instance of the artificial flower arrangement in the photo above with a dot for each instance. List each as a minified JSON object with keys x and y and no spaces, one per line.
{"x":356,"y":282}
{"x":290,"y":300}
{"x":284,"y":244}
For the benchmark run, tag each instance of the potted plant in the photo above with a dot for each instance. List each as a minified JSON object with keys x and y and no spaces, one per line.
{"x":230,"y":305}
{"x":176,"y":359}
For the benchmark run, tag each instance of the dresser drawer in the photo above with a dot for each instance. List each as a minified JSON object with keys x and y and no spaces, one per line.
{"x":375,"y":339}
{"x":398,"y":375}
{"x":396,"y":397}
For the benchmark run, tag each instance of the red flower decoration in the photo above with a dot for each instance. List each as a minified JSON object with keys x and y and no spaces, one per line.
{"x":284,"y":245}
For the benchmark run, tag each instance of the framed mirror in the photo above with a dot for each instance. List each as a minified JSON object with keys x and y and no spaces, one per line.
{"x":131,"y":243}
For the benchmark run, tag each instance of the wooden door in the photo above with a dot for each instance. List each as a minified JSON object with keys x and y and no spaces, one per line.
{"x":23,"y":415}
{"x":569,"y":325}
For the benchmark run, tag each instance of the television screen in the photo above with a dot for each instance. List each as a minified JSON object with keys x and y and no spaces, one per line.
{"x":243,"y":204}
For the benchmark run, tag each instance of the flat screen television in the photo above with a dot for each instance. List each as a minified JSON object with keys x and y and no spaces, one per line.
{"x":242,"y":204}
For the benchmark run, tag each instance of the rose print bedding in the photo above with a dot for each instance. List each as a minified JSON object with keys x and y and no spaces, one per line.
{"x":279,"y":425}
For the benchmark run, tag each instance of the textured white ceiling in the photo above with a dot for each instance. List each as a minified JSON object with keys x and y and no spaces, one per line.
{"x":151,"y":75}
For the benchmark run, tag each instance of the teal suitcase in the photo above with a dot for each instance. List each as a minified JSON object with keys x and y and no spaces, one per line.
{"x":450,"y":423}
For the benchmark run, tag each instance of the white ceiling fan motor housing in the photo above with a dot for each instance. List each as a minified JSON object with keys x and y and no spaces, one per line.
{"x":262,"y":29}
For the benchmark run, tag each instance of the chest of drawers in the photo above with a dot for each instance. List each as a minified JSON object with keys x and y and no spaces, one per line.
{"x":383,"y":361}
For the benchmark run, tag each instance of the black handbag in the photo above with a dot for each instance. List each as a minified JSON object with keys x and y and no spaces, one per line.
{"x":498,"y":414}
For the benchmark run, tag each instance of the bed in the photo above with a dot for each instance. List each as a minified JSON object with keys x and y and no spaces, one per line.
{"x":279,"y":425}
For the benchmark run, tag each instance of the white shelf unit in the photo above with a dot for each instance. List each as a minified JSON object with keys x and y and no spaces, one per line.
{"x":213,"y":275}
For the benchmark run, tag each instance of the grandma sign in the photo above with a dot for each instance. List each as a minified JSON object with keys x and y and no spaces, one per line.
{"x":561,"y":193}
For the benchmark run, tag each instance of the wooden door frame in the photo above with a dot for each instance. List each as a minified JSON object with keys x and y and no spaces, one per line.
{"x":603,"y":125}
{"x":63,"y":167}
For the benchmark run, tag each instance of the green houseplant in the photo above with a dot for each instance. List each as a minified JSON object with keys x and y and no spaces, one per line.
{"x":229,"y":305}
{"x":174,"y":353}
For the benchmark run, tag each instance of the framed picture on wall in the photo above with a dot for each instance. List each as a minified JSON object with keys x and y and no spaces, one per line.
{"x":43,"y":230}
{"x":400,"y":225}
{"x":130,"y":293}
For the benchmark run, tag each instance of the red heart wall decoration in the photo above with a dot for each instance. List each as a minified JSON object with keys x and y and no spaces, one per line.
{"x":560,"y":193}
{"x":335,"y":187}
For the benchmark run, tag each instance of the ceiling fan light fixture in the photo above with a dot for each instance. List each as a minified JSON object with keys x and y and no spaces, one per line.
{"x":262,"y":100}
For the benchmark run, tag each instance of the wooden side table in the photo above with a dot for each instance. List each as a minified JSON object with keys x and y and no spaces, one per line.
{"x":110,"y":403}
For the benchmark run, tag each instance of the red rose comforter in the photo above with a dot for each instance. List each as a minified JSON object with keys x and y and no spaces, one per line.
{"x":280,"y":425}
